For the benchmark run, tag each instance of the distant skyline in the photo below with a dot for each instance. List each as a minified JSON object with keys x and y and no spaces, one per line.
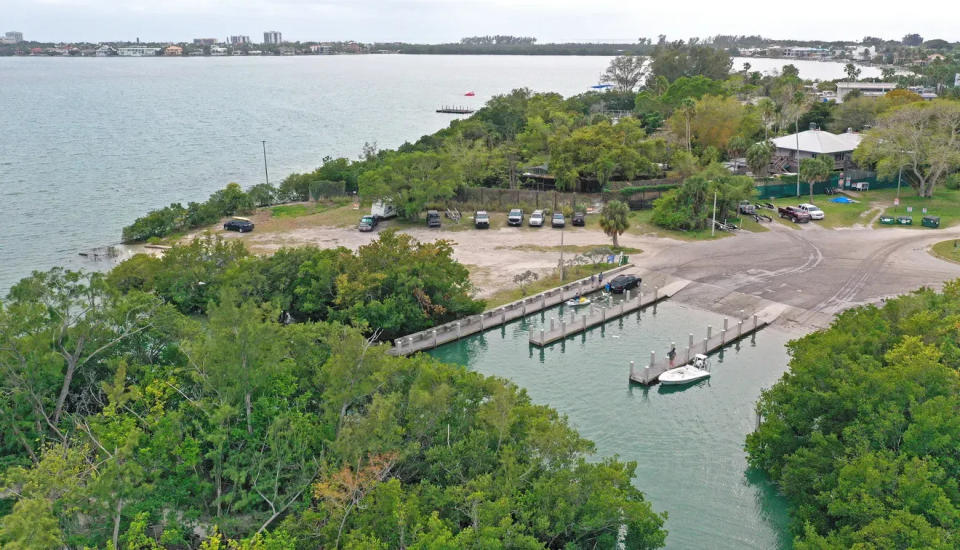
{"x":435,"y":21}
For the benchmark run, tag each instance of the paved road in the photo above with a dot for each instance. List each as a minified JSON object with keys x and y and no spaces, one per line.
{"x":818,"y":271}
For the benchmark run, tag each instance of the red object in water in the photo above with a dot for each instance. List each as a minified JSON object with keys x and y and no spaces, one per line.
{"x":470,"y":94}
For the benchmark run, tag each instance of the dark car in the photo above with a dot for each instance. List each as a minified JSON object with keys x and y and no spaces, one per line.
{"x":515,"y":217}
{"x":481,"y":220}
{"x":558,"y":220}
{"x":238,"y":224}
{"x":367,"y":223}
{"x":579,"y":219}
{"x":621,"y":283}
{"x":433,"y":218}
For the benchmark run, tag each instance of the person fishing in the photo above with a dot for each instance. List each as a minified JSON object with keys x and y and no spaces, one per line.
{"x":672,"y":354}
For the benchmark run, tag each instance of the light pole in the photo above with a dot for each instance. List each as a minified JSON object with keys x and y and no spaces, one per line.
{"x":797,"y":128}
{"x":713,"y":228}
{"x":561,"y":256}
{"x":265,"y":173}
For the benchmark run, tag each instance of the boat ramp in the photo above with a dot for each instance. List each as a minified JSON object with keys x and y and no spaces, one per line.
{"x":449,"y":332}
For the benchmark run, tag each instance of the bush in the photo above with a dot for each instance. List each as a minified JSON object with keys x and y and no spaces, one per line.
{"x":953,"y":181}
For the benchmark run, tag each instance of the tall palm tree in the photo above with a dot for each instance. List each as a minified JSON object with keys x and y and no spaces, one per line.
{"x":613,"y":219}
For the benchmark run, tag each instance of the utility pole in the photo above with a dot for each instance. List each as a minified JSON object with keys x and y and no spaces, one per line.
{"x":713,"y":228}
{"x":562,"y":267}
{"x":797,"y":128}
{"x":265,"y":173}
{"x":899,"y":177}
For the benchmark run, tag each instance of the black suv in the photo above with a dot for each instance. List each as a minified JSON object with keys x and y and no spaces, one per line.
{"x":621,"y":283}
{"x":242,"y":226}
{"x":579,"y":219}
{"x":433,"y":218}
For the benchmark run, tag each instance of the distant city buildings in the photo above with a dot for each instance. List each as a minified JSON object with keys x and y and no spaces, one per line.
{"x":12,"y":37}
{"x":137,"y":51}
{"x":218,"y":50}
{"x":105,"y":51}
{"x":321,"y":49}
{"x":238,"y":40}
{"x":204,"y":41}
{"x":173,"y":51}
{"x":272,"y":37}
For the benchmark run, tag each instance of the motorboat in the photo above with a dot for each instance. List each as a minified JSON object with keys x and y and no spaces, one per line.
{"x":696,"y":370}
{"x":577,"y":302}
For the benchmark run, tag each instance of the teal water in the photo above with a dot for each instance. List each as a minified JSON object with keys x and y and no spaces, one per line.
{"x":688,"y":443}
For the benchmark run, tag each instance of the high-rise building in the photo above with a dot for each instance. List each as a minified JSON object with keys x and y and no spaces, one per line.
{"x":204,"y":41}
{"x":239,"y":39}
{"x":272,"y":37}
{"x":12,"y":37}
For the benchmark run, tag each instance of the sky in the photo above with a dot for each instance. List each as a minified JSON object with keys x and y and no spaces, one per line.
{"x":436,"y":21}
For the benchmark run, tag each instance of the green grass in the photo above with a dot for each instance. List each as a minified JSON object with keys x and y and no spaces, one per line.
{"x":945,"y":203}
{"x":947,"y":250}
{"x":834,"y":214}
{"x":508,"y":295}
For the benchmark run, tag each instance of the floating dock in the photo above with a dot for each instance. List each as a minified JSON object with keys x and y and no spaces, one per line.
{"x":449,"y":332}
{"x":711,"y":344}
{"x":455,"y":110}
{"x":575,"y":324}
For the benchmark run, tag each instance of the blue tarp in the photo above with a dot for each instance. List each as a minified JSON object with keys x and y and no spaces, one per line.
{"x":842,"y":200}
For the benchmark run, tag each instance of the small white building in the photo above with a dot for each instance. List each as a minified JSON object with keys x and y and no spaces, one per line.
{"x":868,"y":89}
{"x":137,"y":51}
{"x":817,"y":143}
{"x":105,"y":51}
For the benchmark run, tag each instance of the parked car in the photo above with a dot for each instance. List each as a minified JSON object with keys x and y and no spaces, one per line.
{"x":620,"y":283}
{"x":481,"y":220}
{"x":243,"y":225}
{"x":794,"y":214}
{"x":813,"y":210}
{"x":536,"y":219}
{"x":745,"y":207}
{"x":433,"y":218}
{"x":579,"y":219}
{"x":515,"y":217}
{"x":558,"y":220}
{"x":367,"y":223}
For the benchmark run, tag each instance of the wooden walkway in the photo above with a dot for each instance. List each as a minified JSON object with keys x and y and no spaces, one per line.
{"x":714,"y":342}
{"x":575,"y":324}
{"x":429,"y":339}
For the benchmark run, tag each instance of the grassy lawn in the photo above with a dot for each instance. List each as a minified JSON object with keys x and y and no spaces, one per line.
{"x":944,"y":203}
{"x":506,"y":296}
{"x":834,"y":214}
{"x":947,"y":250}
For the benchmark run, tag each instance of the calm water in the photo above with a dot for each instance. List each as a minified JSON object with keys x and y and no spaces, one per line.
{"x":87,"y":145}
{"x":688,"y":443}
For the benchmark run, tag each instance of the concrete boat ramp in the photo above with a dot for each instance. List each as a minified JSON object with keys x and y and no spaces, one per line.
{"x":713,"y":342}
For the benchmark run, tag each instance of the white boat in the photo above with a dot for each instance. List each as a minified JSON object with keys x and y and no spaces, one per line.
{"x":577,"y":302}
{"x":694,"y":372}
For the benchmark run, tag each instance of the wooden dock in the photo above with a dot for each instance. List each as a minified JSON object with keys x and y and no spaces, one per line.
{"x":455,"y":110}
{"x":712,"y":343}
{"x":449,"y":332}
{"x":575,"y":324}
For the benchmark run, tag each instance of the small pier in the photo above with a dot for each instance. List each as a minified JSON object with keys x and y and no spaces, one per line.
{"x":633,"y":300}
{"x":455,"y":110}
{"x":712,"y":343}
{"x":449,"y":332}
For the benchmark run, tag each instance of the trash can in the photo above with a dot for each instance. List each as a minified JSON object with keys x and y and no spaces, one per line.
{"x":888,"y":220}
{"x":931,"y":221}
{"x":905,"y":220}
{"x":624,"y":260}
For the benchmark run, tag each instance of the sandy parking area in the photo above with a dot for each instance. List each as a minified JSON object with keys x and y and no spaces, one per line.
{"x":815,"y":271}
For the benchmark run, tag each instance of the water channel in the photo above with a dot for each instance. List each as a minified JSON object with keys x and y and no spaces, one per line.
{"x":688,"y":443}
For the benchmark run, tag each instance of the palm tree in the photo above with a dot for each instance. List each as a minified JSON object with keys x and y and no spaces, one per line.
{"x":613,"y":219}
{"x":759,"y":156}
{"x":687,"y":107}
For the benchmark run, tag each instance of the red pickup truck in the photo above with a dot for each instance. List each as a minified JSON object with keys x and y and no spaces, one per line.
{"x":794,"y":214}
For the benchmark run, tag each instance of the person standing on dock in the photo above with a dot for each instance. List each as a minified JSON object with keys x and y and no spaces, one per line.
{"x":601,"y":277}
{"x":672,"y":354}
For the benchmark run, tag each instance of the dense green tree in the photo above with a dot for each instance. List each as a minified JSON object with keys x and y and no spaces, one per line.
{"x":816,"y":170}
{"x":625,"y":72}
{"x":675,"y":60}
{"x":413,"y":181}
{"x":759,"y":156}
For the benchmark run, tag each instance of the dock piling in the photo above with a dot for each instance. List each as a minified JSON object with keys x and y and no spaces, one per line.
{"x":541,"y":334}
{"x":434,"y":337}
{"x":653,"y":358}
{"x":458,"y":330}
{"x":584,"y":318}
{"x":724,"y":323}
{"x":739,"y":329}
{"x":705,"y":343}
{"x":709,"y":332}
{"x":503,"y":316}
{"x":723,"y":337}
{"x":481,"y":322}
{"x":633,"y":373}
{"x":754,"y":322}
{"x":656,"y":292}
{"x":628,"y":295}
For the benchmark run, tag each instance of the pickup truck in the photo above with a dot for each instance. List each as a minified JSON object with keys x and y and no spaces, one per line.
{"x":794,"y":214}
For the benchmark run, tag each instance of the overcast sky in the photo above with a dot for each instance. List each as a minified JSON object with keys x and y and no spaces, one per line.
{"x":434,"y":21}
